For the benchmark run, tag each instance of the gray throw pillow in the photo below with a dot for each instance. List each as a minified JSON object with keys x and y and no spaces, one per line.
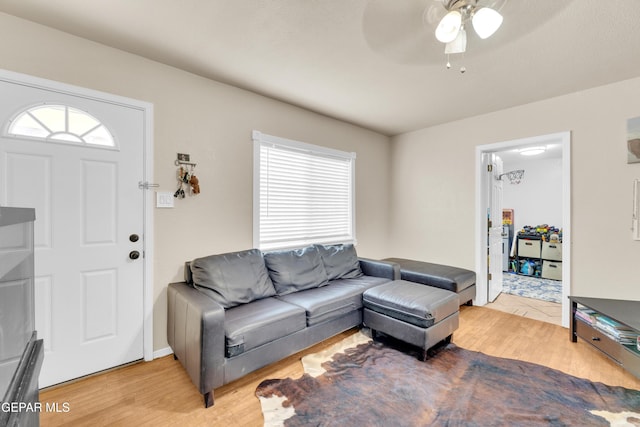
{"x":233,"y":278}
{"x":296,"y":270}
{"x":340,"y":261}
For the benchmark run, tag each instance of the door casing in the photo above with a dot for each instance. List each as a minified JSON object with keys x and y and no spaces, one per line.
{"x":147,"y":168}
{"x":563,"y":138}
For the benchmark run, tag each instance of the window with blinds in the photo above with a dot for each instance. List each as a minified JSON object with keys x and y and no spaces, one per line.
{"x":303,"y":194}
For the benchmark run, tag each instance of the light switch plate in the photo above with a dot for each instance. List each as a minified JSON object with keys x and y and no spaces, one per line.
{"x":164,"y":199}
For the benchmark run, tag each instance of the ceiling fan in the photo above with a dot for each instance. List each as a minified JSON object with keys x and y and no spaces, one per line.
{"x":413,"y":31}
{"x":483,"y":15}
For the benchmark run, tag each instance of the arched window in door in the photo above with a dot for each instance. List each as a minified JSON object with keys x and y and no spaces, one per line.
{"x":61,"y":123}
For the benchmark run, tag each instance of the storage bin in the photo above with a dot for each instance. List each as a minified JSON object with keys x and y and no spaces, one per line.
{"x":530,"y":267}
{"x":552,"y":270}
{"x":529,"y":248}
{"x":552,"y":251}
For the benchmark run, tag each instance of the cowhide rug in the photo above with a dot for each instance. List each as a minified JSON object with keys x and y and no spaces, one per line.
{"x":358,"y":382}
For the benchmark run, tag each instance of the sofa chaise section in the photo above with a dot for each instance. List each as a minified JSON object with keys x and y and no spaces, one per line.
{"x":454,"y":279}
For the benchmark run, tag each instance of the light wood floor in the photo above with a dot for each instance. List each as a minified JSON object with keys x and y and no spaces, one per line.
{"x":528,"y":307}
{"x":160,"y":393}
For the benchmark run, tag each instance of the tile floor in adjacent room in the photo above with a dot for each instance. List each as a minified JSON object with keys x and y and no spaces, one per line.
{"x":528,"y":307}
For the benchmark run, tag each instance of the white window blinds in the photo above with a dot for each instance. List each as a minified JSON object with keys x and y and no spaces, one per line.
{"x":303,"y":194}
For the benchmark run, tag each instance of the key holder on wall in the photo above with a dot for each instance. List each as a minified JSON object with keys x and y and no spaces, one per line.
{"x":186,"y":176}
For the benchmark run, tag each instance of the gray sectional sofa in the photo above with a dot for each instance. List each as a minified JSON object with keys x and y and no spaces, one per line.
{"x":240,"y":311}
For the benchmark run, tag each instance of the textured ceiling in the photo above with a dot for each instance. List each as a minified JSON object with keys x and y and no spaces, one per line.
{"x":369,"y":62}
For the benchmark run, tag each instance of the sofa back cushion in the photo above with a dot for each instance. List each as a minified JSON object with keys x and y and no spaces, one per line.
{"x":233,"y":278}
{"x":340,"y":261}
{"x":296,"y":270}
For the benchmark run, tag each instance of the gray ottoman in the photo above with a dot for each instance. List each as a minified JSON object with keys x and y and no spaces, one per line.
{"x":455,"y":279}
{"x":420,"y":315}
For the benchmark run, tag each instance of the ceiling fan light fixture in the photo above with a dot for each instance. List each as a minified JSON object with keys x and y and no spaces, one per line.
{"x":486,"y":21}
{"x":457,"y":45}
{"x":449,"y":27}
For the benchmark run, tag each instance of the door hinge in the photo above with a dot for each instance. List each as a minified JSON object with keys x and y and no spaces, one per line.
{"x":144,"y":185}
{"x":490,"y":224}
{"x":489,"y":277}
{"x":489,"y":168}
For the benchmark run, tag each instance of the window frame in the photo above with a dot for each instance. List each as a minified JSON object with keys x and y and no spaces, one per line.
{"x":83,"y":142}
{"x":260,"y":139}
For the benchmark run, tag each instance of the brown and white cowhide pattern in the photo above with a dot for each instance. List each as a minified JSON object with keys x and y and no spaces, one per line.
{"x":364,"y":383}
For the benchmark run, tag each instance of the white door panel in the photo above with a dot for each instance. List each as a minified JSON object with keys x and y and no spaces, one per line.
{"x":89,"y":293}
{"x":495,"y":229}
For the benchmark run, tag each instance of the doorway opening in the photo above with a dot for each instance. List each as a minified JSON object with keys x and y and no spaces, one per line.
{"x":489,"y":263}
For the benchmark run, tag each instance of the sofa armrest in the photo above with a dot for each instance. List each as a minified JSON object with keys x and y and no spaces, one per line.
{"x":195,"y":331}
{"x":386,"y":269}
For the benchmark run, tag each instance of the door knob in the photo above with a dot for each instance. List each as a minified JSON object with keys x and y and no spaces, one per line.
{"x":134,"y":238}
{"x":134,"y":254}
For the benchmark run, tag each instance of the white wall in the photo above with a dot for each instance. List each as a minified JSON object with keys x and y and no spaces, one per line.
{"x":538,"y":198}
{"x":433,"y":185}
{"x":212,"y":122}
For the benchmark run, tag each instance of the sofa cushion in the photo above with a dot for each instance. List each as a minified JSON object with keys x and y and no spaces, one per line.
{"x":364,"y":282}
{"x":296,"y":270}
{"x":233,"y":278}
{"x":250,"y":325}
{"x":340,"y":261}
{"x":326,"y":303}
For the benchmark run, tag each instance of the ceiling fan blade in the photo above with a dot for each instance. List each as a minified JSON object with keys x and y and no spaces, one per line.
{"x":492,"y":4}
{"x":402,"y":30}
{"x":434,"y":12}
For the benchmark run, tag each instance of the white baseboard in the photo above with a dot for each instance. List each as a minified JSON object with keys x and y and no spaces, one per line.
{"x":162,"y":352}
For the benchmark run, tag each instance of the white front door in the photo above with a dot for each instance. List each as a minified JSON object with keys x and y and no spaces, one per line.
{"x":89,"y":219}
{"x":495,"y":227}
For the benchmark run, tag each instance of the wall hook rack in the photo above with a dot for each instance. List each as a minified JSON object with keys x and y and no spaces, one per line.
{"x":186,"y":176}
{"x":181,"y":162}
{"x":184,"y":159}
